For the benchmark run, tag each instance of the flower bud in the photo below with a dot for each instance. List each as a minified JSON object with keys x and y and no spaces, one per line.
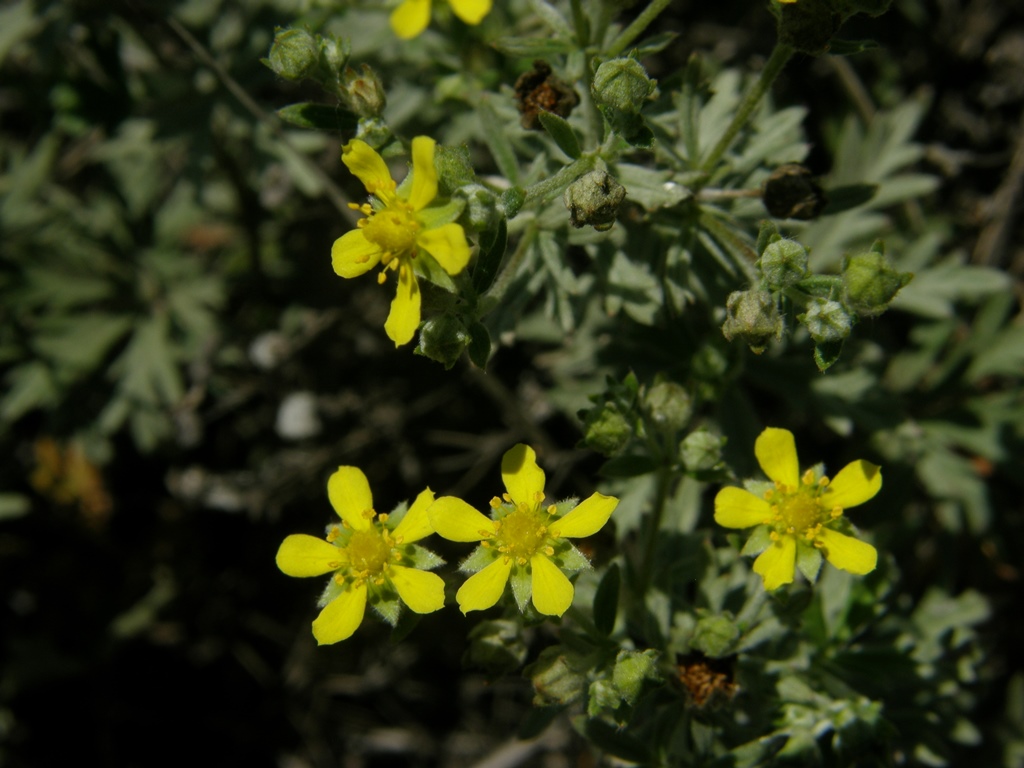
{"x":791,"y":193}
{"x":701,"y":451}
{"x":294,"y":54}
{"x":783,"y":263}
{"x":828,"y":321}
{"x":605,"y":429}
{"x":555,"y":679}
{"x":753,"y":317}
{"x":374,"y":131}
{"x":669,"y":405}
{"x":620,"y":89}
{"x":497,"y":647}
{"x":594,"y":199}
{"x":631,"y":669}
{"x":870,"y":282}
{"x":442,"y":339}
{"x":334,"y":53}
{"x":714,"y":636}
{"x":362,"y":92}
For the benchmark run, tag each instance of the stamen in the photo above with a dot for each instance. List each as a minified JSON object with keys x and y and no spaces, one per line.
{"x":383,"y":517}
{"x":495,"y":502}
{"x":769,"y":494}
{"x":552,"y":509}
{"x":808,"y":478}
{"x":382,"y":276}
{"x":520,"y":560}
{"x":549,"y":550}
{"x":823,"y":481}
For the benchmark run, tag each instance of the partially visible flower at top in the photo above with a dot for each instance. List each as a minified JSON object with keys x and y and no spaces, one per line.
{"x":399,"y":228}
{"x":372,"y":556}
{"x":800,"y":514}
{"x":411,"y":17}
{"x":523,"y":542}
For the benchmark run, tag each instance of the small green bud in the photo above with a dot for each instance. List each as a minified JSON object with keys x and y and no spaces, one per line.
{"x":374,"y":131}
{"x":828,"y":321}
{"x":631,"y":669}
{"x":783,"y":263}
{"x":808,"y":26}
{"x":752,"y":317}
{"x":791,"y":193}
{"x":714,"y":636}
{"x":497,"y":647}
{"x":481,"y":211}
{"x":512,"y":200}
{"x":294,"y":54}
{"x":606,"y":430}
{"x":669,"y":405}
{"x":556,"y":680}
{"x":701,"y":451}
{"x":602,"y":696}
{"x":362,"y":92}
{"x":334,"y":53}
{"x":442,"y":339}
{"x":870,"y":282}
{"x":621,"y":88}
{"x":594,"y":199}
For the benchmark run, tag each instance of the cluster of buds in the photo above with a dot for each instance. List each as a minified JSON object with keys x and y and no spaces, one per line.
{"x":831,"y":304}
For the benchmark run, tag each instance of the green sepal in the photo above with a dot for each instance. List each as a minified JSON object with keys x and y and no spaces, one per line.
{"x":606,"y":600}
{"x":826,"y":355}
{"x":479,"y":348}
{"x":479,"y":559}
{"x":439,"y":215}
{"x":767,"y":233}
{"x":415,"y":556}
{"x":522,"y":585}
{"x":386,"y":603}
{"x":319,"y":117}
{"x":493,"y":245}
{"x":568,"y":558}
{"x":561,"y":132}
{"x":808,"y":560}
{"x":760,"y":539}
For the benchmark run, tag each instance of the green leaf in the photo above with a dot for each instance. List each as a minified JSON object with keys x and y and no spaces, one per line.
{"x":529,"y":47}
{"x":616,"y":741}
{"x":826,"y":355}
{"x":848,"y":196}
{"x":29,"y":386}
{"x":850,"y":47}
{"x":561,"y":132}
{"x":479,"y":345}
{"x":319,"y":117}
{"x":493,"y":244}
{"x":79,"y":343}
{"x":606,"y":600}
{"x":17,"y":22}
{"x":655,"y":43}
{"x":13,"y":505}
{"x":497,"y":141}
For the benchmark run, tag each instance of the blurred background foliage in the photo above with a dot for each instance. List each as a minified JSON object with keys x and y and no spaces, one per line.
{"x":182,"y":370}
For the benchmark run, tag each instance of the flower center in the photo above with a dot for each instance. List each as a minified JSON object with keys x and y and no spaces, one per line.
{"x":394,"y":229}
{"x":368,"y":551}
{"x":799,"y":511}
{"x":521,"y":533}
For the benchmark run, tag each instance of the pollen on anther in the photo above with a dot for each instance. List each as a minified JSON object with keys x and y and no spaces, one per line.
{"x":495,"y":502}
{"x":507,"y":497}
{"x":381,"y":277}
{"x":552,"y":509}
{"x":520,"y":560}
{"x":383,"y":517}
{"x":769,"y":494}
{"x":836,"y":513}
{"x":823,"y":481}
{"x":549,"y":550}
{"x":808,"y":478}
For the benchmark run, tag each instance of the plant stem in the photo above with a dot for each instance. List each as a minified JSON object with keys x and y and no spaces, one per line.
{"x":544,"y":190}
{"x":652,"y":526}
{"x":634,"y":30}
{"x":772,"y":68}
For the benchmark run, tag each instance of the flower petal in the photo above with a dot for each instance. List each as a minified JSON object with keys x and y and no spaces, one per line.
{"x":424,"y":173}
{"x":586,"y":519}
{"x":302,"y":555}
{"x":848,"y":553}
{"x":471,"y":11}
{"x":524,"y":480}
{"x":353,"y":255}
{"x":776,"y":453}
{"x":737,"y":508}
{"x":369,"y":167}
{"x":423,"y":592}
{"x":349,"y":492}
{"x":777,"y":564}
{"x":447,"y":244}
{"x":341,"y":617}
{"x":857,"y":482}
{"x":416,"y":523}
{"x":483,"y":589}
{"x":455,"y":520}
{"x":410,"y":18}
{"x":552,"y":591}
{"x":404,"y":317}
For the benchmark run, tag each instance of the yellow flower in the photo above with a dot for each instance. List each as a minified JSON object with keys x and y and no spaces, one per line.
{"x":398,"y":229}
{"x":364,"y":553}
{"x":800,"y":514}
{"x":411,"y":17}
{"x":524,"y":542}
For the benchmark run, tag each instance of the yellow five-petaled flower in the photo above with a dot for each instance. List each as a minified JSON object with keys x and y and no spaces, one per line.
{"x":371,"y":558}
{"x":397,"y":229}
{"x":800,"y":511}
{"x":525,"y":541}
{"x":411,"y":17}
